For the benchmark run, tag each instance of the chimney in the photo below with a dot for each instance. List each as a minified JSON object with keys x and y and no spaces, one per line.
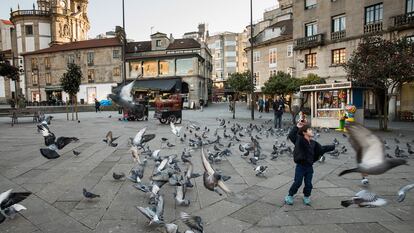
{"x":171,"y":38}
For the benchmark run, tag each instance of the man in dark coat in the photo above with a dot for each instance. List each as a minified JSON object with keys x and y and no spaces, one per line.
{"x":279,"y":108}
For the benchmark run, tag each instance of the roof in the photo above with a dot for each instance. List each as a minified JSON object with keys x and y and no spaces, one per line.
{"x":141,"y":46}
{"x":8,"y":22}
{"x":184,"y":44}
{"x":286,"y":24}
{"x":84,"y":44}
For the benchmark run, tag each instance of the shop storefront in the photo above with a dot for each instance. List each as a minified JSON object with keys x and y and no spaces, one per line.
{"x":328,"y":102}
{"x":53,"y":95}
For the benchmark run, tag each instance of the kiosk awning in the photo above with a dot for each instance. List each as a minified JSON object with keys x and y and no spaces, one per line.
{"x":158,"y":84}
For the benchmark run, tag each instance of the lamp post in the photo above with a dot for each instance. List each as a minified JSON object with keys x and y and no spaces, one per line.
{"x":251,"y":60}
{"x":123,"y":44}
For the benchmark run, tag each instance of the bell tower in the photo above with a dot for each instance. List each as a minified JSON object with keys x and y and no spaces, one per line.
{"x":70,"y":21}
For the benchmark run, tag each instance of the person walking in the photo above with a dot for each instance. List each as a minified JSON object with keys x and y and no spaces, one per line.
{"x":278,"y":108}
{"x":260,"y":103}
{"x":306,"y":152}
{"x":201,"y":102}
{"x":97,"y":106}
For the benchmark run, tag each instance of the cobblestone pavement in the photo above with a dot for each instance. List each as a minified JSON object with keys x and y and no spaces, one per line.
{"x":57,"y":204}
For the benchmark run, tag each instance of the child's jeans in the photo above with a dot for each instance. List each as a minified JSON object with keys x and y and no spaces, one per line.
{"x":302,"y":172}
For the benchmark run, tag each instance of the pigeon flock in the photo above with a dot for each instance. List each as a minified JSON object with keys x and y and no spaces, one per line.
{"x":214,"y":145}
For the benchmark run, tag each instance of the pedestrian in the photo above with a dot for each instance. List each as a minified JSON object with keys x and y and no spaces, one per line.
{"x":306,"y":152}
{"x":266,"y":105}
{"x":278,"y":108}
{"x":201,"y":101}
{"x":261,"y":103}
{"x":97,"y":106}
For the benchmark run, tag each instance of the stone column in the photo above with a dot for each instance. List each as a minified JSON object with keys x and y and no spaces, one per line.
{"x":392,"y":107}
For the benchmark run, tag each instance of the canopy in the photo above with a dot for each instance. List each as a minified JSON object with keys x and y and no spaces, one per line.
{"x":161,"y":84}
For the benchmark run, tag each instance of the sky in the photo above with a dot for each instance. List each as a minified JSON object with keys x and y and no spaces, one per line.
{"x":167,"y":16}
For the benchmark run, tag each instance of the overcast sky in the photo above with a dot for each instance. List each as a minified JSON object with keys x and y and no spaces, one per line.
{"x":168,"y":16}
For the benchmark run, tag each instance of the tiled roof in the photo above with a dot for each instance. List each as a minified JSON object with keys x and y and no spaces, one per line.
{"x":184,"y":44}
{"x":8,"y":22}
{"x":84,"y":44}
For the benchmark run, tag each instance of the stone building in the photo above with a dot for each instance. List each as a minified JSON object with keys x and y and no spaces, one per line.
{"x":327,"y":32}
{"x":54,"y":22}
{"x":6,"y":85}
{"x":273,"y":45}
{"x":100,"y":62}
{"x":166,"y":64}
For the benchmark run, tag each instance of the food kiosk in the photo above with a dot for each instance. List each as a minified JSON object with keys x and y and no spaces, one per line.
{"x":328,"y":103}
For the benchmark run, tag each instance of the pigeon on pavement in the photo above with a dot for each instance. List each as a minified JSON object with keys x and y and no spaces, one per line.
{"x":9,"y":204}
{"x":195,"y":223}
{"x":403,"y":191}
{"x":109,"y":139}
{"x":89,"y":195}
{"x":365,"y":198}
{"x":118,"y":176}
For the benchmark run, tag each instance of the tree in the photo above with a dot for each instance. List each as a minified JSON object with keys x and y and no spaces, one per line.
{"x":240,"y":83}
{"x":284,"y":85}
{"x":71,"y":81}
{"x":383,"y":66}
{"x":12,"y":73}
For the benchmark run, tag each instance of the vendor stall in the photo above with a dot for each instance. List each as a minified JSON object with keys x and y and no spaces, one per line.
{"x":329,"y":102}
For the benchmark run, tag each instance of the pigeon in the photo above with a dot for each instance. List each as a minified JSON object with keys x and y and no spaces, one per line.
{"x":135,"y":154}
{"x":260,"y":170}
{"x":155,"y":215}
{"x":344,"y":135}
{"x":336,"y":142}
{"x":109,"y":139}
{"x":211,"y":178}
{"x":117,"y":176}
{"x":322,"y":159}
{"x":124,"y":98}
{"x":365,"y":198}
{"x":189,"y":174}
{"x":254,"y":160}
{"x":195,"y":223}
{"x":370,"y":153}
{"x":89,"y":195}
{"x":9,"y":204}
{"x":137,"y":140}
{"x":175,"y":129}
{"x":52,"y":143}
{"x":180,"y":195}
{"x":396,"y":140}
{"x":241,"y":148}
{"x":137,"y":173}
{"x":170,"y":145}
{"x":75,"y":152}
{"x":403,"y":191}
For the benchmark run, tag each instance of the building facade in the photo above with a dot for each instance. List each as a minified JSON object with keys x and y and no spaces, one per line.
{"x":164,"y":63}
{"x":54,"y":22}
{"x":273,"y":45}
{"x":6,"y":85}
{"x":327,"y":32}
{"x":100,"y":61}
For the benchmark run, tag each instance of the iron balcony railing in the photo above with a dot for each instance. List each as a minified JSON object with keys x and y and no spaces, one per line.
{"x":309,"y":41}
{"x":403,"y":20}
{"x":338,"y":35}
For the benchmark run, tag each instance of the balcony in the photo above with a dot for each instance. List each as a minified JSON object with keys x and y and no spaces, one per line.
{"x":338,"y":35}
{"x":373,"y":28}
{"x":405,"y":20}
{"x":309,"y":42}
{"x":29,"y":13}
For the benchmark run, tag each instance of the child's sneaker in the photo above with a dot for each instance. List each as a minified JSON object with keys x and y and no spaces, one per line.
{"x":306,"y":201}
{"x":364,"y":181}
{"x":289,"y":200}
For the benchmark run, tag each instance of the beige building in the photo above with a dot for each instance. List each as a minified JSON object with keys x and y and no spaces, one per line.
{"x":6,"y":85}
{"x":327,"y":32}
{"x":165,"y":64}
{"x":273,"y":45}
{"x":100,"y":62}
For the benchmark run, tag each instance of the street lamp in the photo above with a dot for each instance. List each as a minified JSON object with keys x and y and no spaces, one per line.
{"x":251,"y":60}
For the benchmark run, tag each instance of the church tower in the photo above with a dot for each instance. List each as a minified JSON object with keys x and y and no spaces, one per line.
{"x":69,"y":20}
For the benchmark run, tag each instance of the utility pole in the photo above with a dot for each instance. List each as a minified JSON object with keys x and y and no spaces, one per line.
{"x":251,"y":60}
{"x":124,"y":41}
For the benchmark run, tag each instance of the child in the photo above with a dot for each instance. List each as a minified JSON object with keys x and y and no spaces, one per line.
{"x":306,"y":152}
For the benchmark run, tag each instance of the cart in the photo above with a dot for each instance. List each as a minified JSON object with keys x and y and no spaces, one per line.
{"x":169,"y":110}
{"x":138,"y":112}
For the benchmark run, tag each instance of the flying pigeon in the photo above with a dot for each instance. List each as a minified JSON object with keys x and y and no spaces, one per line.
{"x":109,"y":139}
{"x":52,"y":143}
{"x":211,"y":178}
{"x":180,"y":195}
{"x":403,"y":191}
{"x":260,"y":170}
{"x":195,"y":223}
{"x":123,"y":97}
{"x":175,"y":129}
{"x":370,"y":153}
{"x":365,"y":198}
{"x":9,"y":206}
{"x":89,"y":195}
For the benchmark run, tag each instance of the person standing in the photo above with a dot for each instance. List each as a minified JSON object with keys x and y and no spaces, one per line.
{"x":260,"y":103}
{"x":278,"y":108}
{"x":201,"y":104}
{"x":97,"y":106}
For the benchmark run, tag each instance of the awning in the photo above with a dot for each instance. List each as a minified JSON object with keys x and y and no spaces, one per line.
{"x":53,"y":88}
{"x":173,"y":85}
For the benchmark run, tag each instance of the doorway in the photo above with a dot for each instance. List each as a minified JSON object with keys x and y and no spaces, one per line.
{"x":91,"y":92}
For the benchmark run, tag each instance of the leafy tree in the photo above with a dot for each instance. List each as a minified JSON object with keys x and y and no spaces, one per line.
{"x":71,"y":81}
{"x":12,"y":73}
{"x":240,"y":83}
{"x":383,"y":66}
{"x":284,"y":85}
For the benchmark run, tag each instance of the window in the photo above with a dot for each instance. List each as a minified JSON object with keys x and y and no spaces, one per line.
{"x":91,"y":76}
{"x":35,"y":78}
{"x":230,"y":54}
{"x":185,"y":66}
{"x":272,"y":57}
{"x":310,"y":4}
{"x":47,"y":62}
{"x":311,"y":29}
{"x":338,"y":56}
{"x":272,"y":73}
{"x":338,"y":23}
{"x":329,"y":102}
{"x":34,"y":64}
{"x":373,"y":14}
{"x":48,"y":79}
{"x":410,"y":6}
{"x":90,"y":58}
{"x":28,"y":30}
{"x":231,"y":64}
{"x":135,"y":69}
{"x":71,"y":58}
{"x":150,"y":68}
{"x":289,"y":51}
{"x":256,"y":56}
{"x":116,"y":54}
{"x":310,"y":60}
{"x":116,"y":71}
{"x":256,"y":78}
{"x":158,"y":43}
{"x":167,"y":67}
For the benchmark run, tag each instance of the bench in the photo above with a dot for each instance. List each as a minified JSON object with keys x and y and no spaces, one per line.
{"x":15,"y":114}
